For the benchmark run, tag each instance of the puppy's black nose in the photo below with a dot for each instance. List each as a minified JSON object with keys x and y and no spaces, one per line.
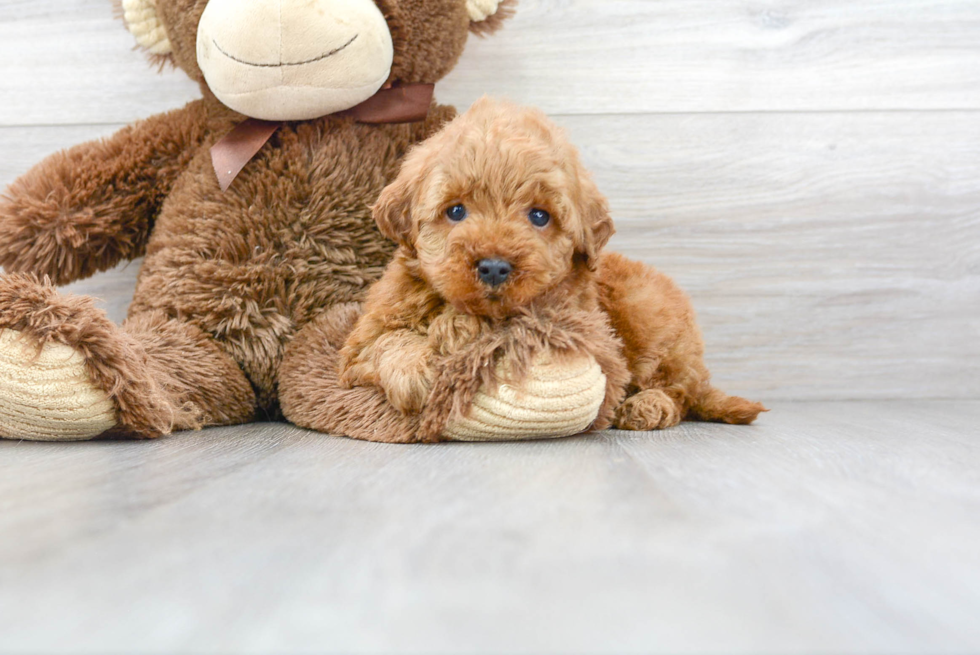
{"x":493,"y":272}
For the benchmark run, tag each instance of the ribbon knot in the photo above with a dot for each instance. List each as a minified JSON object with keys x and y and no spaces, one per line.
{"x":400,"y":104}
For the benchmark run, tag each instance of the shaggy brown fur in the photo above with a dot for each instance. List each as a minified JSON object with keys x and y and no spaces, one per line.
{"x":229,"y":276}
{"x":501,"y":162}
{"x":162,"y":375}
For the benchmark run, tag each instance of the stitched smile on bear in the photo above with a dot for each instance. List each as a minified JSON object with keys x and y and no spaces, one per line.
{"x":284,"y":63}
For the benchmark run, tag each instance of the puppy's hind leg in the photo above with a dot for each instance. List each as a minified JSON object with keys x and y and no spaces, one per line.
{"x":655,"y":409}
{"x":650,"y":409}
{"x":661,"y":342}
{"x":663,"y":348}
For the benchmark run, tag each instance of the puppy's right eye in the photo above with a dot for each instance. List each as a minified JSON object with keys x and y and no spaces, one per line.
{"x":456,"y":213}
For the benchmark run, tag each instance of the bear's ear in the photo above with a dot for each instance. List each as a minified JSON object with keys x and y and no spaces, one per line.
{"x":487,"y":16}
{"x":143,"y":21}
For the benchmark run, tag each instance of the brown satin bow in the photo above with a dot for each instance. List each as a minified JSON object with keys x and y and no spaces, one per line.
{"x":400,"y":104}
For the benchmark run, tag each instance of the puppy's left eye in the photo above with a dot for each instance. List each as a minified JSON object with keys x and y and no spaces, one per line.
{"x":539,"y":217}
{"x":456,"y":213}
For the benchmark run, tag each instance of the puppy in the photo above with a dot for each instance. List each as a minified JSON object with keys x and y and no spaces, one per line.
{"x":494,"y":215}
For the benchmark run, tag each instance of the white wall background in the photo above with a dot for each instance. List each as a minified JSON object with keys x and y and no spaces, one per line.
{"x":808,"y":171}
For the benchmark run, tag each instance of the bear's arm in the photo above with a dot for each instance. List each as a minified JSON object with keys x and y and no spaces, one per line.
{"x":85,"y":209}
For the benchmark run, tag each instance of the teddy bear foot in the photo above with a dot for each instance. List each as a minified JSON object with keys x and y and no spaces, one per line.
{"x":68,"y":373}
{"x":558,"y":399}
{"x":46,"y":393}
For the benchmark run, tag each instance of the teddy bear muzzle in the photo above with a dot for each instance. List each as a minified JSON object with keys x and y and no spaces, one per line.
{"x":286,"y":60}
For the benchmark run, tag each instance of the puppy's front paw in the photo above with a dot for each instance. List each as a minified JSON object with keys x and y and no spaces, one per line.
{"x":651,"y":409}
{"x":353,"y":373}
{"x":403,"y":370}
{"x":407,"y":388}
{"x":452,"y":331}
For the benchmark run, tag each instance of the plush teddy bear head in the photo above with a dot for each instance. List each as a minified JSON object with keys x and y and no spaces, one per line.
{"x":301,"y":59}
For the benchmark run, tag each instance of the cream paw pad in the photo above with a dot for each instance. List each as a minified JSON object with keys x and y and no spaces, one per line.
{"x":48,"y":395}
{"x":559,"y":398}
{"x":480,"y":10}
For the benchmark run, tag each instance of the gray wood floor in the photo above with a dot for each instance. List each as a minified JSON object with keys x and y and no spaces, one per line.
{"x":826,"y":527}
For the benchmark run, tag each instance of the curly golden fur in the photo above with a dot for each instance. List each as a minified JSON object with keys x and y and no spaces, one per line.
{"x":504,"y":166}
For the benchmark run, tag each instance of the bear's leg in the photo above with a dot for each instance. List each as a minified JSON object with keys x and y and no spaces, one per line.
{"x":196,"y":372}
{"x":311,"y":395}
{"x":67,"y":373}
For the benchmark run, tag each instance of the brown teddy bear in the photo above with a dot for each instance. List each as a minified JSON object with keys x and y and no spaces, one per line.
{"x":252,"y":207}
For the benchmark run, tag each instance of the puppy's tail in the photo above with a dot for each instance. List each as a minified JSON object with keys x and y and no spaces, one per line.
{"x":717,"y":406}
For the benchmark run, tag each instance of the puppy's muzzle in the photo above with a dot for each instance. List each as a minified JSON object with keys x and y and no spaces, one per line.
{"x":494,"y":272}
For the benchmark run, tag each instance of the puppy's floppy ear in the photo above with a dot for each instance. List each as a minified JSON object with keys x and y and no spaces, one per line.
{"x":393,"y":211}
{"x":487,"y":16}
{"x":597,"y":225}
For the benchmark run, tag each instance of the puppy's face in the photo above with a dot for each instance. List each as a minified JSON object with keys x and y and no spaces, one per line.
{"x":497,"y":209}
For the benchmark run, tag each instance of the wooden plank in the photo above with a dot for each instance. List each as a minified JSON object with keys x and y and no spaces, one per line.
{"x":825,"y":528}
{"x":637,"y":56}
{"x":829,"y":256}
{"x":71,"y":62}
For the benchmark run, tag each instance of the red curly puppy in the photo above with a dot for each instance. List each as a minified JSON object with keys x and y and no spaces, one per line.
{"x":495,"y":214}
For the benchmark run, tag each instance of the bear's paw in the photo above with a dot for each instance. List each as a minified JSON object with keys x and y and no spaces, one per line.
{"x":47,"y":395}
{"x":559,"y":398}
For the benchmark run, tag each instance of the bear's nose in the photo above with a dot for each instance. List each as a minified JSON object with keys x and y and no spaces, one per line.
{"x":494,"y":272}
